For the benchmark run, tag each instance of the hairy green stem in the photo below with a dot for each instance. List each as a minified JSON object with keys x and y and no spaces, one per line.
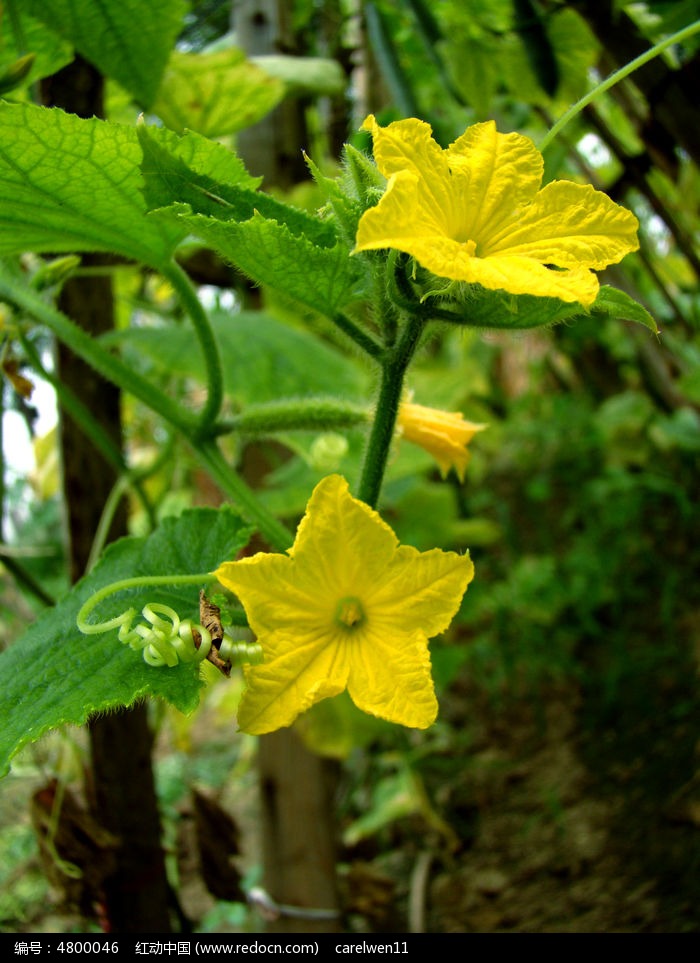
{"x":390,"y":390}
{"x":616,"y":77}
{"x":361,"y":338}
{"x":295,"y":414}
{"x":207,"y":342}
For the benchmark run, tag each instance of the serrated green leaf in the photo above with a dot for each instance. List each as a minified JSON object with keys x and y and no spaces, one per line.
{"x":215,"y":94}
{"x":617,"y":304}
{"x":325,"y":279}
{"x":69,"y":184}
{"x":127,"y":40}
{"x":262,"y":358}
{"x":55,"y":675}
{"x":208,"y":186}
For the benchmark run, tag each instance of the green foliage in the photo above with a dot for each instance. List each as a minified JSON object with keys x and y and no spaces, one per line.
{"x":216,"y":93}
{"x":54,"y":675}
{"x":262,"y":358}
{"x":68,"y":184}
{"x":127,"y":40}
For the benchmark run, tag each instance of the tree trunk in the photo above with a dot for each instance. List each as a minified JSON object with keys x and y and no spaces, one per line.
{"x":122,"y":787}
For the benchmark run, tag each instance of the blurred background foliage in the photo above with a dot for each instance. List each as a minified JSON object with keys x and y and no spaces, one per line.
{"x":580,"y":504}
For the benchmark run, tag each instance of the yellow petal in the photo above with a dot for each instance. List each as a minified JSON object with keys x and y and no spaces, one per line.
{"x":473,"y":213}
{"x":444,"y":434}
{"x":568,"y":225}
{"x":302,"y":675}
{"x":390,"y":678}
{"x":347,"y":606}
{"x":341,"y":543}
{"x":495,"y":177}
{"x":421,"y":591}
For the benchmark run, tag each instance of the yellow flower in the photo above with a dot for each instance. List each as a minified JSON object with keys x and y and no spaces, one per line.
{"x":444,"y":434}
{"x":346,"y":607}
{"x":475,"y":212}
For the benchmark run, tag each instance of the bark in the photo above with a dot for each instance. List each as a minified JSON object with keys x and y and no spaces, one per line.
{"x":121,"y":782}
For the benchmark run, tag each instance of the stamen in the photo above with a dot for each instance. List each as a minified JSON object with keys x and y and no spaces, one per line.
{"x":349,"y":612}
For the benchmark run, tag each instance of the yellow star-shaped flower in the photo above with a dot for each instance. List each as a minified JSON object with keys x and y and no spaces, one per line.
{"x":475,"y":212}
{"x":346,"y":607}
{"x":443,"y":434}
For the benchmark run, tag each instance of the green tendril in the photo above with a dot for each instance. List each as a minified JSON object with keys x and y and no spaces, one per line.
{"x":163,"y":638}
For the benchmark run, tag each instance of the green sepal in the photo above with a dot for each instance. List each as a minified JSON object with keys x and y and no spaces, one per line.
{"x":482,"y":308}
{"x":53,"y":674}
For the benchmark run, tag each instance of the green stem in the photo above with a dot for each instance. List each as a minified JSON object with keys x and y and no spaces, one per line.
{"x":207,"y":342}
{"x":616,"y":77}
{"x":295,"y":414}
{"x":361,"y":338}
{"x":94,"y":628}
{"x":90,"y":350}
{"x":273,"y":531}
{"x":390,"y":390}
{"x":23,"y":577}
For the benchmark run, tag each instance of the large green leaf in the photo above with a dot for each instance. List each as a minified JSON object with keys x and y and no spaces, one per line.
{"x":219,"y":188}
{"x":68,"y":184}
{"x":304,"y":75}
{"x":55,"y":675}
{"x":262,"y":358}
{"x":50,"y":52}
{"x":128,"y":40}
{"x":274,"y":244}
{"x":215,"y":93}
{"x":325,"y":279}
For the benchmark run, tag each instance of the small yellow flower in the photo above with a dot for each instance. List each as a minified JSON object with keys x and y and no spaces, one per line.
{"x":444,"y":434}
{"x":475,"y":212}
{"x":346,"y":607}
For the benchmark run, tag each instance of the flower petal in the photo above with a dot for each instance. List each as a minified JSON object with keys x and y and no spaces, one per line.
{"x":306,"y":671}
{"x":420,"y":590}
{"x":273,"y":594}
{"x":342,"y":543}
{"x":494,"y":176}
{"x":390,"y":678}
{"x":406,"y":150}
{"x":568,"y":224}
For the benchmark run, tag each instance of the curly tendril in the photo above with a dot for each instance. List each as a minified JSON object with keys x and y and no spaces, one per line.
{"x":163,"y":638}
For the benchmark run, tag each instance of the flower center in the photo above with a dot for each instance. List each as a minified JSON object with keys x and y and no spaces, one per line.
{"x":349,"y":612}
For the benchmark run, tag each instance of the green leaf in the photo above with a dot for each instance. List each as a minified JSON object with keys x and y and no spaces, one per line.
{"x":215,"y":93}
{"x":614,"y":303}
{"x":325,"y":279}
{"x":262,"y":358}
{"x":212,"y":182}
{"x":127,"y":40}
{"x":69,"y":184}
{"x":50,"y":52}
{"x":304,"y":75}
{"x":55,"y":675}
